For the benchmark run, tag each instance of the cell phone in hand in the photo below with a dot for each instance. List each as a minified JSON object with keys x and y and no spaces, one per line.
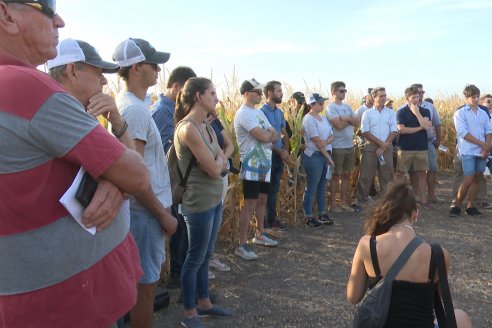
{"x":86,"y":190}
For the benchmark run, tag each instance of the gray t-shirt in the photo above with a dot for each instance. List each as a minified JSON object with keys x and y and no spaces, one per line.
{"x":343,"y":138}
{"x":141,"y":126}
{"x":256,"y":157}
{"x":312,"y":127}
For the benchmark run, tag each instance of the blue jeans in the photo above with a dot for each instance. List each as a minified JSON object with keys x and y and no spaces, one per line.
{"x":202,"y":234}
{"x":275,"y":177}
{"x":315,"y":167}
{"x":178,"y":243}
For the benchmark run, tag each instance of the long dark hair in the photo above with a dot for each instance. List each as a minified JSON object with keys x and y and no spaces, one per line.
{"x":186,"y":98}
{"x":397,"y":204}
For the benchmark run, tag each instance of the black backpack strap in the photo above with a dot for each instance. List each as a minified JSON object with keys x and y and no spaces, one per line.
{"x":374,"y":256}
{"x":403,"y":258}
{"x":188,"y":170}
{"x":445,"y":317}
{"x":432,"y":266}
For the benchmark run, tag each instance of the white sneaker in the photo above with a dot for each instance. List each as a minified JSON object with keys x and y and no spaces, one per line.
{"x":216,"y":264}
{"x":245,"y":252}
{"x":264,"y":240}
{"x":211,"y":276}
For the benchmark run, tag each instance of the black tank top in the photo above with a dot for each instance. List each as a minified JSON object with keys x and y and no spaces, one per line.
{"x":412,"y":303}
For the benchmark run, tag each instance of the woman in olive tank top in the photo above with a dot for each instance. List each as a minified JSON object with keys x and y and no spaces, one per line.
{"x":202,"y":199}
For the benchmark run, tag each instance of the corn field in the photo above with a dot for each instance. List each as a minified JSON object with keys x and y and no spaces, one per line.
{"x":289,"y":200}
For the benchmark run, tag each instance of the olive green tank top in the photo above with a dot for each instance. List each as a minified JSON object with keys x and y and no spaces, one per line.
{"x":202,"y":192}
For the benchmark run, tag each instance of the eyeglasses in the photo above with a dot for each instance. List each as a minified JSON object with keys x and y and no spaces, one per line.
{"x":422,"y":92}
{"x":47,"y":7}
{"x":154,"y":66}
{"x":342,"y":90}
{"x":258,"y":92}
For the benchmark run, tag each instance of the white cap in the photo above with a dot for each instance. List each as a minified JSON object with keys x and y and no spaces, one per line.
{"x":72,"y":51}
{"x":134,"y":51}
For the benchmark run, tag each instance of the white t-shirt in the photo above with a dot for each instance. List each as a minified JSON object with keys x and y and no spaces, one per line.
{"x":256,"y":157}
{"x":141,"y":126}
{"x":312,"y":127}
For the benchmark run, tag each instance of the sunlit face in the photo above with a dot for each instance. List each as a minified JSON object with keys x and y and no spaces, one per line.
{"x":340,"y":93}
{"x":473,"y":100}
{"x":150,"y":73}
{"x":317,"y":107}
{"x":88,"y":82}
{"x":421,"y":94}
{"x":38,"y":31}
{"x":254,"y":96}
{"x":209,"y":99}
{"x":487,"y":102}
{"x":380,"y":98}
{"x":414,"y":99}
{"x":277,"y":94}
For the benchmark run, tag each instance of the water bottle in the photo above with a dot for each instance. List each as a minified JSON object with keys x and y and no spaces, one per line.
{"x":381,"y":160}
{"x":328,"y":172}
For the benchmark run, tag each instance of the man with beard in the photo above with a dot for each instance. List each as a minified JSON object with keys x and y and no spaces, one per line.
{"x":280,"y":149}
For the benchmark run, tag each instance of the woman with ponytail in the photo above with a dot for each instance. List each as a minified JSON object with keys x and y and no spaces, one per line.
{"x":390,"y":228}
{"x":202,"y":199}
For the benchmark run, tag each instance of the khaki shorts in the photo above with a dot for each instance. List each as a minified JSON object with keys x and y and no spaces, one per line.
{"x":418,"y":158}
{"x":344,"y":159}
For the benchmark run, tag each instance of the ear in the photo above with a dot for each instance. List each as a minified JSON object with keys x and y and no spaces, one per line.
{"x":71,"y":71}
{"x":8,"y":19}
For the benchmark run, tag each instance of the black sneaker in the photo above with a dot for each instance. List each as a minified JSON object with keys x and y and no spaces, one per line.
{"x":312,"y":223}
{"x":277,"y":225}
{"x":455,"y":211}
{"x":325,"y":219}
{"x":472,"y":211}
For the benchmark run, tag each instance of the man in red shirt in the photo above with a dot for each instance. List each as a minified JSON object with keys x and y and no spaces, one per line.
{"x":53,"y":272}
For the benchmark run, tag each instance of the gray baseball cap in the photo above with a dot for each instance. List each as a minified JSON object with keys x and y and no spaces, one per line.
{"x":72,"y":51}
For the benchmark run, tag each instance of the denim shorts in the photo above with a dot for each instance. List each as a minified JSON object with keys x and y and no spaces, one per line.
{"x":147,"y":233}
{"x":432,"y":151}
{"x":472,"y":164}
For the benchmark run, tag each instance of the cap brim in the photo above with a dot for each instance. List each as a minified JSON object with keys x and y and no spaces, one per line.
{"x":106,"y":67}
{"x":159,"y":58}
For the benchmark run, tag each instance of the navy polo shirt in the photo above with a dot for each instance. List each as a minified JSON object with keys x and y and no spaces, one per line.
{"x":413,"y":141}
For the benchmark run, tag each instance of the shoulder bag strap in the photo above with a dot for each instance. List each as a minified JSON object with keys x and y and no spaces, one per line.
{"x":374,"y":256}
{"x":446,"y":317}
{"x":192,"y":159}
{"x":402,"y":259}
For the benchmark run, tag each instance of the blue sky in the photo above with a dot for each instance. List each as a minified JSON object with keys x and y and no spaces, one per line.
{"x":444,"y":44}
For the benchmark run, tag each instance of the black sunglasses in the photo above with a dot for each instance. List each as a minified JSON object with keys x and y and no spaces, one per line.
{"x":47,"y":7}
{"x":258,"y":92}
{"x":154,"y":66}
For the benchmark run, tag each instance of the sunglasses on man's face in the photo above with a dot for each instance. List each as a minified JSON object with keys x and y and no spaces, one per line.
{"x":47,"y":7}
{"x":258,"y":92}
{"x":154,"y":66}
{"x":342,"y":90}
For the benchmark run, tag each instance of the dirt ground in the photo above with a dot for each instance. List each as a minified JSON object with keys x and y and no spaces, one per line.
{"x":301,"y":283}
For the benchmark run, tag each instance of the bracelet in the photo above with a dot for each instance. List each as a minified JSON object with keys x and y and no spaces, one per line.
{"x":122,"y":132}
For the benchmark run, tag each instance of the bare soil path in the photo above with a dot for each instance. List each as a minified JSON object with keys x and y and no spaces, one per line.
{"x":301,"y":283}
